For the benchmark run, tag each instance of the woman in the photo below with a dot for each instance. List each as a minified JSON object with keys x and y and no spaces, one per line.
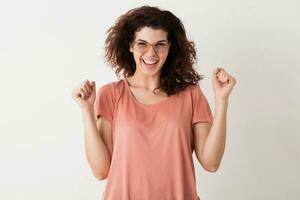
{"x":149,"y":123}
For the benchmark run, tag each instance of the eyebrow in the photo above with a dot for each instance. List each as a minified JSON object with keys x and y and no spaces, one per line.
{"x":156,"y":41}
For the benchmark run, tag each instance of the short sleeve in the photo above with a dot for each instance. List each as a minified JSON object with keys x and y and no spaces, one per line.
{"x":104,"y":102}
{"x":201,"y":109}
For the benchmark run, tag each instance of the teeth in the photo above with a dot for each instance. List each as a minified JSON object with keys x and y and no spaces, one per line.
{"x":150,"y":62}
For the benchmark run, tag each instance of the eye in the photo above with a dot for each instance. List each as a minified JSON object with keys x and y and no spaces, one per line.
{"x":160,"y":45}
{"x":141,"y":44}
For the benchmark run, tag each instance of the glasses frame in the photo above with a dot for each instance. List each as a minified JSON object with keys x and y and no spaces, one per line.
{"x":149,"y":45}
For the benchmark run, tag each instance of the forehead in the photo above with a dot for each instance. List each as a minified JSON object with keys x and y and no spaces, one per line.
{"x":151,"y":35}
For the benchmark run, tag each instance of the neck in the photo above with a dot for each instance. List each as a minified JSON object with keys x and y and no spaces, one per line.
{"x":144,"y":81}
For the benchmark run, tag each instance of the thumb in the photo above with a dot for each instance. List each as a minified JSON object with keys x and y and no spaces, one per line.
{"x":93,"y":84}
{"x":215,"y":72}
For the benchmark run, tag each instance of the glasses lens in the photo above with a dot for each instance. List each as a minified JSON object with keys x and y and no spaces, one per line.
{"x":144,"y":46}
{"x":161,"y":47}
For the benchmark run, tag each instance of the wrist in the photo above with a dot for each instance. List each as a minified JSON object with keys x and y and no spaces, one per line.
{"x":221,"y":100}
{"x":88,"y":110}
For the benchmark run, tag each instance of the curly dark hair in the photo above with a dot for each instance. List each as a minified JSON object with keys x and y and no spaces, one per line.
{"x":177,"y":72}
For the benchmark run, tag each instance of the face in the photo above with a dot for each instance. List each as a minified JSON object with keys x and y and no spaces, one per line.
{"x":150,"y":49}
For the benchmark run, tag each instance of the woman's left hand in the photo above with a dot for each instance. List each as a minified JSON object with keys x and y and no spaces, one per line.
{"x":222,"y":83}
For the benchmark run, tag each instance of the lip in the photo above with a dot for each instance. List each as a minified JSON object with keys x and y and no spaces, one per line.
{"x":156,"y":61}
{"x":150,"y":66}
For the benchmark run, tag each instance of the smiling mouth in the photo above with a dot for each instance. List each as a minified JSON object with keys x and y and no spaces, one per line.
{"x":150,"y":62}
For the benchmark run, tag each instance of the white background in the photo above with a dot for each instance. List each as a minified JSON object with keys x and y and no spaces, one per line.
{"x":49,"y":47}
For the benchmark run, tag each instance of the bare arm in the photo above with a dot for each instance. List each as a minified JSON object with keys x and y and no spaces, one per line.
{"x":97,"y":152}
{"x":209,"y":141}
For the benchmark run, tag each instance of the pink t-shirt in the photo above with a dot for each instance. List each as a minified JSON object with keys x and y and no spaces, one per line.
{"x":152,"y":143}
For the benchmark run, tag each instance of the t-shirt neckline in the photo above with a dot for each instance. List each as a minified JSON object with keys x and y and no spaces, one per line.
{"x":144,"y":104}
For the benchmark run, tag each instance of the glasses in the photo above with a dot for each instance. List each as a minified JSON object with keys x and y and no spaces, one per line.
{"x":143,"y":46}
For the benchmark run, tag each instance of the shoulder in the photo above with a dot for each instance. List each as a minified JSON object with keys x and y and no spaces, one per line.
{"x":193,"y":89}
{"x":111,"y":86}
{"x":196,"y":89}
{"x":194,"y":93}
{"x":111,"y":89}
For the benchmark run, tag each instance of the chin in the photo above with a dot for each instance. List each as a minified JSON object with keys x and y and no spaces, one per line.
{"x":150,"y":70}
{"x":150,"y":73}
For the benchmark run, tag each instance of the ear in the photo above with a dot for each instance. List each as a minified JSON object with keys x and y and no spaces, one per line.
{"x":130,"y":47}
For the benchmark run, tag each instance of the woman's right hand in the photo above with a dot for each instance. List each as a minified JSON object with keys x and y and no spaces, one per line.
{"x":84,"y":95}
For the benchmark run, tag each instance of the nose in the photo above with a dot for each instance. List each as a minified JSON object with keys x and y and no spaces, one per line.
{"x":151,"y":50}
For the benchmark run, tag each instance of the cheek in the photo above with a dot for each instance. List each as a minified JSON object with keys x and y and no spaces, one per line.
{"x":137,"y":57}
{"x":163,"y":57}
